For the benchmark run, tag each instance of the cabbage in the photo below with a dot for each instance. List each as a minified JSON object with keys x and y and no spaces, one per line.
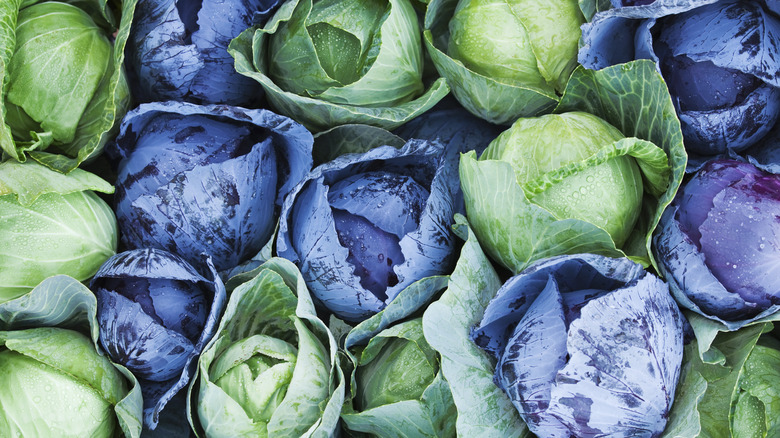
{"x":155,"y":314}
{"x":56,"y":381}
{"x":64,"y":89}
{"x":363,"y":227}
{"x":718,"y":57}
{"x":586,"y":346}
{"x":178,"y":51}
{"x":504,"y":60}
{"x":51,"y":224}
{"x":211,"y":179}
{"x":717,"y":244}
{"x":272,"y":369}
{"x":332,"y":62}
{"x":593,"y":177}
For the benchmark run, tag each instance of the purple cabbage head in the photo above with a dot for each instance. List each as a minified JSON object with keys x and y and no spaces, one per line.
{"x":718,"y":244}
{"x":206,"y":179}
{"x":720,"y":59}
{"x":365,"y":226}
{"x":155,"y":314}
{"x":587,"y":346}
{"x":178,"y":50}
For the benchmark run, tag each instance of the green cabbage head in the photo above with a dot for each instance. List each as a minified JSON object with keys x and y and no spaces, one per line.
{"x":398,"y":389}
{"x":271,"y":370}
{"x":53,"y":382}
{"x":561,"y":184}
{"x":330,"y":62}
{"x":64,"y":87}
{"x":504,"y":59}
{"x":50,"y":224}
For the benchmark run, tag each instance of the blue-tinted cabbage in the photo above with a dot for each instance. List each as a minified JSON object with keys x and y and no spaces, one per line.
{"x":586,"y":346}
{"x":720,"y":60}
{"x":211,"y":179}
{"x":364,"y":227}
{"x":63,"y":85}
{"x":331,"y":62}
{"x":718,"y":244}
{"x":156,"y":312}
{"x":178,"y":50}
{"x":50,"y":224}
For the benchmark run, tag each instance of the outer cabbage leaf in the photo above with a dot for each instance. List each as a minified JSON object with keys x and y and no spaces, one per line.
{"x":64,"y":302}
{"x":311,"y":404}
{"x":100,"y":117}
{"x":351,"y":139}
{"x":727,"y":385}
{"x":328,"y":103}
{"x":484,"y":410}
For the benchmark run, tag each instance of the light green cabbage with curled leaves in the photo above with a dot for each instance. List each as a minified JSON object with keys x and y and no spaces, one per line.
{"x":331,"y":62}
{"x":54,"y":379}
{"x":504,"y":59}
{"x":555,"y":185}
{"x":63,"y":84}
{"x":50,"y":224}
{"x":272,"y":368}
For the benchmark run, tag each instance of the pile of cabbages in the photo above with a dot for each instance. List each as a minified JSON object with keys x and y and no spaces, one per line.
{"x":390,"y":218}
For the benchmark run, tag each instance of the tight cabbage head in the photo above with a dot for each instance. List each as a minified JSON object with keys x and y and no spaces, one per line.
{"x":178,"y":51}
{"x":53,"y":382}
{"x":155,"y":313}
{"x":504,"y":59}
{"x":718,"y":243}
{"x":575,"y":184}
{"x":51,"y":224}
{"x":64,"y":88}
{"x":331,"y":62}
{"x":206,"y":179}
{"x":272,"y":369}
